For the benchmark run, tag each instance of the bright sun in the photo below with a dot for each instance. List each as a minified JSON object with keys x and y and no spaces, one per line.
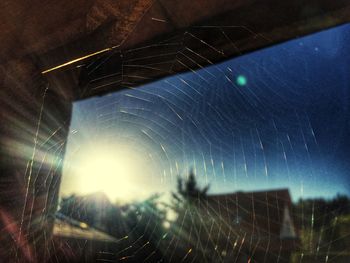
{"x":114,"y":172}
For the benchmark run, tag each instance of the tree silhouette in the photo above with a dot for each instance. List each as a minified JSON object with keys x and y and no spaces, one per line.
{"x":189,"y":190}
{"x":188,"y":229}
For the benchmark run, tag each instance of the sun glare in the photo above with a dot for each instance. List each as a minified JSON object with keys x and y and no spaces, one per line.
{"x":114,"y":172}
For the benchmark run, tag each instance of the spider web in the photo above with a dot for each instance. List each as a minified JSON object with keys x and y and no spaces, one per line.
{"x":241,"y":125}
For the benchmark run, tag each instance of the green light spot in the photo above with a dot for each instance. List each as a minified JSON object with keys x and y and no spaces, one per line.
{"x":241,"y":80}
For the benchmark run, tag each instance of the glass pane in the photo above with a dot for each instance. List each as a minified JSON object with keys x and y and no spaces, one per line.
{"x":242,"y":161}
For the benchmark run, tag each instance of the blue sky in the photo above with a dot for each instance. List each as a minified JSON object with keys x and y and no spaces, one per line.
{"x":277,"y":117}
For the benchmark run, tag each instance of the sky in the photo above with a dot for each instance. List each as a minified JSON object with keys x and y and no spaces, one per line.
{"x":274,"y":118}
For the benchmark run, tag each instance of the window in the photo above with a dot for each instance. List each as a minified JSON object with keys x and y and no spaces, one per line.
{"x":259,"y":133}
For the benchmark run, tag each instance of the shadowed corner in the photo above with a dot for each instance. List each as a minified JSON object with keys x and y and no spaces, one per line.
{"x":9,"y":227}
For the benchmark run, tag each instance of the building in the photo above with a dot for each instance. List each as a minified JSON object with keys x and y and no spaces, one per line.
{"x":76,"y":241}
{"x":240,"y":227}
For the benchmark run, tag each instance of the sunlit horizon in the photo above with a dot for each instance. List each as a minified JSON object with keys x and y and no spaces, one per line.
{"x":110,"y":168}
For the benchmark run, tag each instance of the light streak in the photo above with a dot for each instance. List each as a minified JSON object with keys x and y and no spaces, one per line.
{"x":76,"y":60}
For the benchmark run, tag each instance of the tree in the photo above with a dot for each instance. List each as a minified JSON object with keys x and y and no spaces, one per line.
{"x":189,"y":190}
{"x":189,"y":229}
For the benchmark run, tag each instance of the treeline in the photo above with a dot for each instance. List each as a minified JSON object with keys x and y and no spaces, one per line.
{"x":144,"y":230}
{"x":138,"y":226}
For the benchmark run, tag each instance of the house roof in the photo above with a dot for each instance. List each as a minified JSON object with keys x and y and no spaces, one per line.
{"x":66,"y":227}
{"x":248,"y":221}
{"x":98,"y":199}
{"x":258,"y":215}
